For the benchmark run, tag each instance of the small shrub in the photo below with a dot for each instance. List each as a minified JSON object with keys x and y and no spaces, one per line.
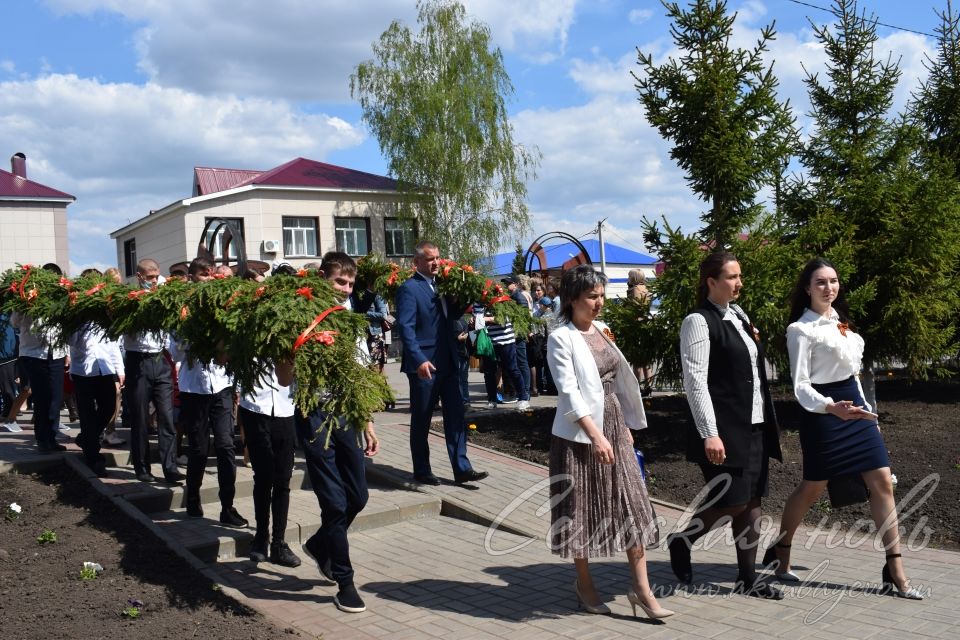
{"x":88,"y":573}
{"x":47,"y":537}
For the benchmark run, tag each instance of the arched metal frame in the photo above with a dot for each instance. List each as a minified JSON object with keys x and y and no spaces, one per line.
{"x":538,"y":250}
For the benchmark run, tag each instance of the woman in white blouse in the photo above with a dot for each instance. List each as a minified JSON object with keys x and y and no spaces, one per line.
{"x":839,"y":434}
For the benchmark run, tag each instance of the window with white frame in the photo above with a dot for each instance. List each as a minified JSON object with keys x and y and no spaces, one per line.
{"x":353,"y":236}
{"x":300,"y":237}
{"x":219,"y":245}
{"x":399,"y":236}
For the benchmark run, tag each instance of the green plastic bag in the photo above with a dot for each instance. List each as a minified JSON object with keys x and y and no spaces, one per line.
{"x":484,"y":346}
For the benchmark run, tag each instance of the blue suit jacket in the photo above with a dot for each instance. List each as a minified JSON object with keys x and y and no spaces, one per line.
{"x":425,"y":332}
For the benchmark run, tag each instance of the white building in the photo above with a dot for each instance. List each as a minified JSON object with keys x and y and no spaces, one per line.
{"x":33,"y":219}
{"x":294,"y":213}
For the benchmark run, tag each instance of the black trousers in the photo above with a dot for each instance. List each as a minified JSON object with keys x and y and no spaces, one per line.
{"x":339,"y":479}
{"x":46,"y":381}
{"x":270,"y":442}
{"x":200,"y":415}
{"x":149,"y":378}
{"x":96,"y":401}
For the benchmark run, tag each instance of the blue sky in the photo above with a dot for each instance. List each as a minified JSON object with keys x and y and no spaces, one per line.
{"x":115,"y":101}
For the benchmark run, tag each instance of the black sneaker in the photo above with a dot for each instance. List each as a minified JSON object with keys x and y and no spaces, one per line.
{"x":347,"y":599}
{"x":258,"y":550}
{"x":314,"y":550}
{"x":231,"y":518}
{"x":280,"y":554}
{"x":194,"y":509}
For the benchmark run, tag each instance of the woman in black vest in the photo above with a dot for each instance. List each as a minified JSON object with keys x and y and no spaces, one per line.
{"x":735,"y":429}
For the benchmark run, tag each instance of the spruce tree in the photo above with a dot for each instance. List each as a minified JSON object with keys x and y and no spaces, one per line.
{"x":876,"y":204}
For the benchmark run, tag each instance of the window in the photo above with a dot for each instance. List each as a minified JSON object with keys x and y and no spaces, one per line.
{"x":218,"y":247}
{"x":300,"y":237}
{"x":130,"y":257}
{"x":353,"y":236}
{"x":400,"y":237}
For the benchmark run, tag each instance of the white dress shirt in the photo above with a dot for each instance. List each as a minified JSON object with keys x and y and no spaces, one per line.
{"x":94,"y":354}
{"x":269,"y":397}
{"x":820,"y":353}
{"x":695,"y":359}
{"x":150,"y":342}
{"x":195,"y":376}
{"x":36,"y":340}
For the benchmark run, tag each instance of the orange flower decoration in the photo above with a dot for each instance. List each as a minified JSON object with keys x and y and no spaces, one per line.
{"x":259,"y":292}
{"x":32,"y":294}
{"x":609,"y":334}
{"x":73,"y":297}
{"x":184,"y":312}
{"x":136,"y":293}
{"x":303,"y":273}
{"x":306,"y":292}
{"x":64,"y":282}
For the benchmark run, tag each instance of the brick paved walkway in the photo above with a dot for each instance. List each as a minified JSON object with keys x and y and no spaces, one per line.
{"x":432,"y":567}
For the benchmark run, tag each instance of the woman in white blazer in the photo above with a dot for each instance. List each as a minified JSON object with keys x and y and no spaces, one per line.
{"x":599,"y":501}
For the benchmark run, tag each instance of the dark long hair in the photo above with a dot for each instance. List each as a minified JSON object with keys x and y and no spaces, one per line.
{"x":711,"y":267}
{"x":800,"y":299}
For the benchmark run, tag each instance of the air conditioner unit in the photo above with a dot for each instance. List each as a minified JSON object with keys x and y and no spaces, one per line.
{"x":271,"y":246}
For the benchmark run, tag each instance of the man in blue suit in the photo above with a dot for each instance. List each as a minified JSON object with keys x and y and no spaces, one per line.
{"x":425,"y":321}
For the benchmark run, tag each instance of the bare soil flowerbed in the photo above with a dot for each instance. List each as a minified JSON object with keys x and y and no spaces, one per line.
{"x":42,"y":594}
{"x":920,"y":423}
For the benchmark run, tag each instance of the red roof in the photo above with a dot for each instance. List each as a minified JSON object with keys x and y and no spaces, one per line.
{"x":302,"y":172}
{"x":13,"y":186}
{"x":209,"y":180}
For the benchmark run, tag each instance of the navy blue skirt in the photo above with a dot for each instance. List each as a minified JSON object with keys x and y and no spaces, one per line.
{"x":833,"y":447}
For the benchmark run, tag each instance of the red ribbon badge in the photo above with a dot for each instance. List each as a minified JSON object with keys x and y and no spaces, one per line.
{"x":844,"y":327}
{"x":324,"y":337}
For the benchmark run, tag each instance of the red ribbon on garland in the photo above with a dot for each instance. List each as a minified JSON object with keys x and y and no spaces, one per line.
{"x":19,"y":288}
{"x":94,"y":289}
{"x":326,"y":337}
{"x":500,"y":299}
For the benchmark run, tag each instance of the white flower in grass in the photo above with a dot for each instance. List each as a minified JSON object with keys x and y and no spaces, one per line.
{"x":15,"y":508}
{"x":893,"y":479}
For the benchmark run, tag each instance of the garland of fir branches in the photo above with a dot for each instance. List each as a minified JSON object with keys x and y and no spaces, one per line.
{"x":243,"y":324}
{"x":459,"y":282}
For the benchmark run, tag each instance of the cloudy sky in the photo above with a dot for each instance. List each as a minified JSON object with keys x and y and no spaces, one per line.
{"x":115,"y":101}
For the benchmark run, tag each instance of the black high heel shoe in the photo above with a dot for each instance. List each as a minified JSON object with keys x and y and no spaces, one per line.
{"x":892,"y":588}
{"x":772,"y":562}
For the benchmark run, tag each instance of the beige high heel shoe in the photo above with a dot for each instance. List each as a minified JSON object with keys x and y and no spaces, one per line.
{"x":654,"y":614}
{"x":589,"y":608}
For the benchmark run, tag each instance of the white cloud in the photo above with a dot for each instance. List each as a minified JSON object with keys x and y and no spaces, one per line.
{"x":299,"y":50}
{"x":123,"y":149}
{"x":602,"y":75}
{"x":639,"y":16}
{"x":7,"y":66}
{"x":600,"y":160}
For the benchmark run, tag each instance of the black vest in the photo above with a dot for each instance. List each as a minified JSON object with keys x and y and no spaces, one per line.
{"x":730,"y":381}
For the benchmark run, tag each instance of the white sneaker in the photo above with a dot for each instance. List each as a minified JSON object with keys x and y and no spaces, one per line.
{"x":491,"y":405}
{"x":523,"y":405}
{"x":12,"y":427}
{"x":64,"y":428}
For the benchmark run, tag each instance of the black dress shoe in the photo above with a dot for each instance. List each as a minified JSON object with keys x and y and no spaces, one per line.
{"x":174,"y":478}
{"x":280,"y":554}
{"x":427,"y":479}
{"x":194,"y":509}
{"x":680,"y":558}
{"x":56,"y":446}
{"x":470,"y":476}
{"x":757,"y":589}
{"x":146,"y":476}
